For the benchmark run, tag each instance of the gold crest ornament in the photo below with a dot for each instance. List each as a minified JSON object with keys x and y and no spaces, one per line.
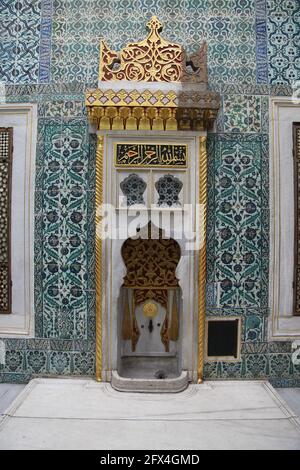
{"x":152,"y":60}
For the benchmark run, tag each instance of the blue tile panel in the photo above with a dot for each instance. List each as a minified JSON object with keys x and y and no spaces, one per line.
{"x":64,"y":211}
{"x":283,"y":21}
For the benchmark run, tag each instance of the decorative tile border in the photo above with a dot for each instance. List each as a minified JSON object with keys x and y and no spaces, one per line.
{"x":27,"y":359}
{"x":45,"y":40}
{"x":261,"y":42}
{"x":278,"y":368}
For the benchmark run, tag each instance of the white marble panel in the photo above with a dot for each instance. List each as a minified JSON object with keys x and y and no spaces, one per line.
{"x":22,"y":117}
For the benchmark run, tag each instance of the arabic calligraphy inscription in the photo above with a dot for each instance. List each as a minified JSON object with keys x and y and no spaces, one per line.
{"x":150,"y":155}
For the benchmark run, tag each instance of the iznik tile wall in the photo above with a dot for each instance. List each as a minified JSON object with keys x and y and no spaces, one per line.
{"x":49,"y":55}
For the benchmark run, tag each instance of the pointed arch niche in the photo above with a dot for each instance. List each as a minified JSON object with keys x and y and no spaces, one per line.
{"x":151,"y":111}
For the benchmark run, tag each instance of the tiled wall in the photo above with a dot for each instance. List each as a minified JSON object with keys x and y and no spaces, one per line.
{"x":49,"y":55}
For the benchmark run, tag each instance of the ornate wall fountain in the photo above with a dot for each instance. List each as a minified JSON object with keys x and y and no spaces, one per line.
{"x":151,"y":111}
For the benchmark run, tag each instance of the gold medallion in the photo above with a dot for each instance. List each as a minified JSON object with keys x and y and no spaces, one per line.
{"x":150,"y":310}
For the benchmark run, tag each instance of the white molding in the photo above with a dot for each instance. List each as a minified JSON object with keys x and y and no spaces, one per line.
{"x":23,"y":118}
{"x":283,"y":325}
{"x":118,"y":85}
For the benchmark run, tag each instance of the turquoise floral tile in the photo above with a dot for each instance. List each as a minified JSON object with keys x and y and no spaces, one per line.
{"x":254,"y":348}
{"x":236,"y":203}
{"x":285,"y":383}
{"x":63,"y":149}
{"x":60,"y":363}
{"x":36,"y":361}
{"x":14,"y":361}
{"x":84,"y":363}
{"x":279,"y":347}
{"x":231,"y":370}
{"x":280,"y":365}
{"x":254,"y":328}
{"x":61,"y":345}
{"x":242,"y":113}
{"x":210,"y":370}
{"x":12,"y":377}
{"x":230,"y":35}
{"x":256,"y":366}
{"x":283,"y":41}
{"x":19,"y":50}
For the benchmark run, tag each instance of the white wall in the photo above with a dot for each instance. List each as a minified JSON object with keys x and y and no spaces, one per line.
{"x":23,"y":119}
{"x":283,"y":112}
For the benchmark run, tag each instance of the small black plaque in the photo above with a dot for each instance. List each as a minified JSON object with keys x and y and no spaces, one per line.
{"x":222,"y":338}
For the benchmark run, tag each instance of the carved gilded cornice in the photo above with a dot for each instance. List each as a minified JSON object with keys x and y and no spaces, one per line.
{"x":122,"y":102}
{"x":156,"y":110}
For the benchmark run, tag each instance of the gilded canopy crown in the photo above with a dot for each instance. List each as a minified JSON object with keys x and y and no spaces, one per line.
{"x":152,"y":85}
{"x":153,"y":59}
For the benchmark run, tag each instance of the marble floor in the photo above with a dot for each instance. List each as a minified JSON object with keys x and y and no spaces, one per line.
{"x":8,"y":392}
{"x":83,"y":414}
{"x":292,"y":397}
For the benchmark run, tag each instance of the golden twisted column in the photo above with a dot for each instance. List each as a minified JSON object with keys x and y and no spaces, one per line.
{"x":99,"y":281}
{"x":202,"y":255}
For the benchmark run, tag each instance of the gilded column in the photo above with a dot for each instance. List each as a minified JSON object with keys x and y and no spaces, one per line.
{"x":202,"y":255}
{"x":99,"y":281}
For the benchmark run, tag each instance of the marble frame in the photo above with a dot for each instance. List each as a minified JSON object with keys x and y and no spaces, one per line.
{"x":23,"y":119}
{"x":107,"y":263}
{"x":283,"y":325}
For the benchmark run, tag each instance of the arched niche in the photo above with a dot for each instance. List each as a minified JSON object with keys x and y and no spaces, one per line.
{"x":150,"y":307}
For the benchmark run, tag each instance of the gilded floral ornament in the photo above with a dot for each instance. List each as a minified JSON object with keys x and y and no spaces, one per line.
{"x":183,"y":103}
{"x":152,"y":60}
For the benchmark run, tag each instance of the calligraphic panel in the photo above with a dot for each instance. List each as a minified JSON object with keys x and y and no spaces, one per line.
{"x":296,"y":134}
{"x":150,"y":155}
{"x":5,"y":183}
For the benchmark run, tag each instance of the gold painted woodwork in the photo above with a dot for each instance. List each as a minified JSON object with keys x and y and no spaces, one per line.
{"x":150,"y":263}
{"x":126,"y":321}
{"x":164,"y":332}
{"x":131,"y":98}
{"x":202,"y":256}
{"x":98,"y":247}
{"x":152,"y":118}
{"x":135,"y":333}
{"x":174,"y":325}
{"x":152,"y":60}
{"x":165,"y":111}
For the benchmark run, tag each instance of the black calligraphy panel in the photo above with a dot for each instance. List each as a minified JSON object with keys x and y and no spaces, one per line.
{"x":150,"y":155}
{"x":6,"y":136}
